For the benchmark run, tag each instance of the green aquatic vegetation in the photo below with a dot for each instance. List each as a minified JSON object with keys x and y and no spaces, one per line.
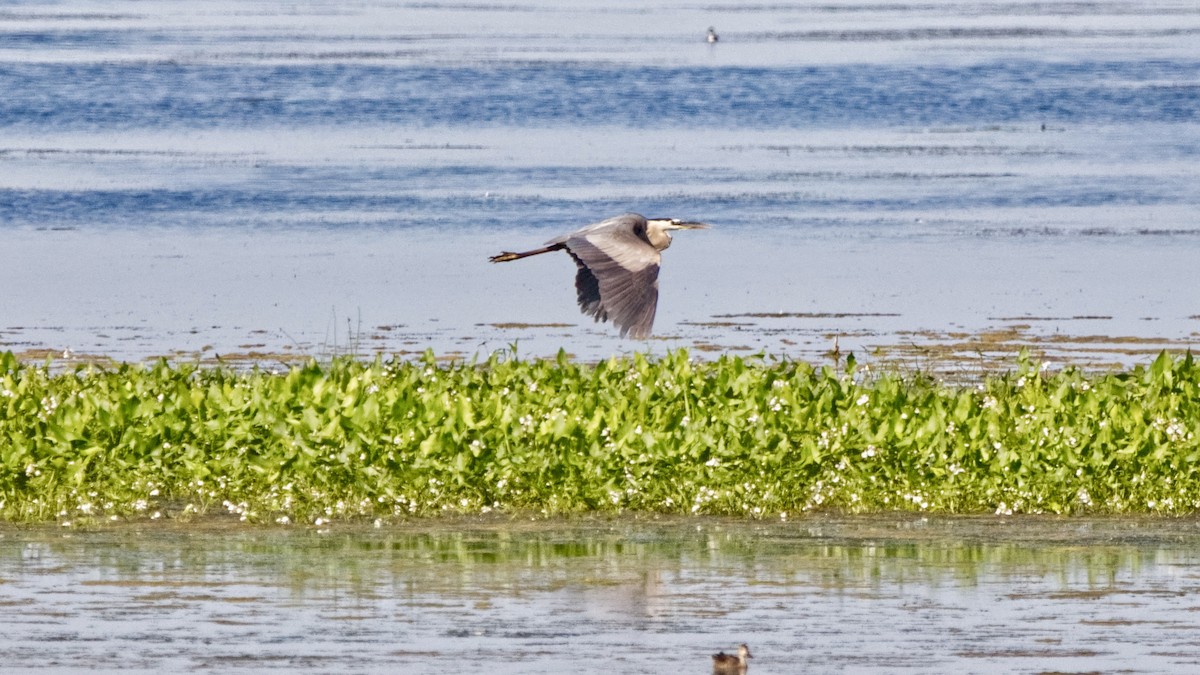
{"x":757,"y":437}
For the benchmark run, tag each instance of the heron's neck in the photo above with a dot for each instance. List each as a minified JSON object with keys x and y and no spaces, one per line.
{"x":659,"y":240}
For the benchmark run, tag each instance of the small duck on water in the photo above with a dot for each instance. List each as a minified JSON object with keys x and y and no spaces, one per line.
{"x":712,"y":35}
{"x":728,"y":664}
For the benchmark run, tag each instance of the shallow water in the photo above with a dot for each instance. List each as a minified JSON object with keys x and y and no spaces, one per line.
{"x":240,"y":178}
{"x":887,"y":595}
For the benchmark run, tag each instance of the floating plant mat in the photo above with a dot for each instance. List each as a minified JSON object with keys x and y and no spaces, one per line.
{"x":748,"y":436}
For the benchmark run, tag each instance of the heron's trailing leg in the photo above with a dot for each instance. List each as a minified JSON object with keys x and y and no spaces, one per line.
{"x":505,"y":256}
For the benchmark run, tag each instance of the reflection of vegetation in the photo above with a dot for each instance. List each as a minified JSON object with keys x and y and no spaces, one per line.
{"x":504,"y":557}
{"x":740,"y":436}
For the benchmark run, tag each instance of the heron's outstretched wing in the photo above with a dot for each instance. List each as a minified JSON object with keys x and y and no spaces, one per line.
{"x":618,"y":276}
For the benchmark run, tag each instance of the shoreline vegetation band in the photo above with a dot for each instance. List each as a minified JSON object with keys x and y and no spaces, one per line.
{"x":755,"y":437}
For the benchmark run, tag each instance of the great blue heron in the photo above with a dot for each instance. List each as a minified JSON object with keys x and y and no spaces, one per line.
{"x":618,"y":263}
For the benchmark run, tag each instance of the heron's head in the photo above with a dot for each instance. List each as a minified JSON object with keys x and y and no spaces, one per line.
{"x":658,"y":230}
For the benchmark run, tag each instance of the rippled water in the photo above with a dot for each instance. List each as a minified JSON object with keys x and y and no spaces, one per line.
{"x":236,"y":178}
{"x":882,"y":595}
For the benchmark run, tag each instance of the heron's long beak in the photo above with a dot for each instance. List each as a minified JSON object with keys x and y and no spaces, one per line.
{"x":688,"y":226}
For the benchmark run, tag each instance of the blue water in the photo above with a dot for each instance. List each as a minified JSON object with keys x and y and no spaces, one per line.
{"x":889,"y":133}
{"x":147,"y":96}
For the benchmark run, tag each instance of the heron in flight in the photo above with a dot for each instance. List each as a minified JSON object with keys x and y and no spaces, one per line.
{"x":618,"y":262}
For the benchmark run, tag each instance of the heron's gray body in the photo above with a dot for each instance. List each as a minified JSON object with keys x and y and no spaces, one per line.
{"x":618,"y":261}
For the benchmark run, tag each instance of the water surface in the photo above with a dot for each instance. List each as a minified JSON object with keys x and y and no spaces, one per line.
{"x":238,"y":178}
{"x":825,"y":594}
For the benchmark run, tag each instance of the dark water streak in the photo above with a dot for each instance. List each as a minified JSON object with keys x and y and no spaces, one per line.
{"x":168,"y":95}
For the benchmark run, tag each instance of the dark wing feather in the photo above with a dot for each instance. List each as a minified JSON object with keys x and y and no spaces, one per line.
{"x":617,"y":279}
{"x":588,"y":289}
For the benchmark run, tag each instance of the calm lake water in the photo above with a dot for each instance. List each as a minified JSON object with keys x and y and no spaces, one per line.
{"x":230,"y":178}
{"x":863,"y":595}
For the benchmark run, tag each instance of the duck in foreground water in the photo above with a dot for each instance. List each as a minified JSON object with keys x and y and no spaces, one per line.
{"x":618,"y":262}
{"x":727,"y":664}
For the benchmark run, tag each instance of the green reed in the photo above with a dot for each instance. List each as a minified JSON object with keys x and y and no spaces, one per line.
{"x":758,"y":437}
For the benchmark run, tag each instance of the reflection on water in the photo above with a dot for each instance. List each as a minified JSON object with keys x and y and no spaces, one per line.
{"x":897,"y":594}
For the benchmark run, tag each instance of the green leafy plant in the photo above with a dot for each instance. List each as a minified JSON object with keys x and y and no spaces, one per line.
{"x":757,"y":437}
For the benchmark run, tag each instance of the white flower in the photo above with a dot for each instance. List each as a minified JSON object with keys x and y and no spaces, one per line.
{"x":1175,"y":430}
{"x":863,"y":400}
{"x":713,"y":462}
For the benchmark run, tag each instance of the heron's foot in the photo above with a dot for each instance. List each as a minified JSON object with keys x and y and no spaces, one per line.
{"x":504,"y":256}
